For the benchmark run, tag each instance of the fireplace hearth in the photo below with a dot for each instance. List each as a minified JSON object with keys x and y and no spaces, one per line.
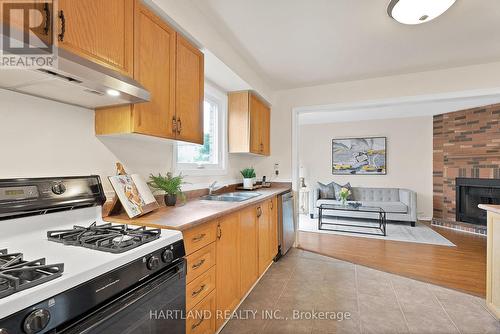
{"x":471,"y":192}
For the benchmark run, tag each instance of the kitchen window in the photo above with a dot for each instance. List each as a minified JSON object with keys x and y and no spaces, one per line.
{"x":209,"y":158}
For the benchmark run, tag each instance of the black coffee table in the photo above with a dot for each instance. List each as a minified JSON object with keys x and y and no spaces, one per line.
{"x":382,"y":221}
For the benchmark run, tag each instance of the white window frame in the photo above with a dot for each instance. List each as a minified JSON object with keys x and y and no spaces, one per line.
{"x":218,"y":97}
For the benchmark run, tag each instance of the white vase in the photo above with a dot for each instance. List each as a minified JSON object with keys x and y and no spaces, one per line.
{"x":248,"y":183}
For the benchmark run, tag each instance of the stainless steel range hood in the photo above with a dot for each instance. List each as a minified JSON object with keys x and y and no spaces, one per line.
{"x":77,"y":81}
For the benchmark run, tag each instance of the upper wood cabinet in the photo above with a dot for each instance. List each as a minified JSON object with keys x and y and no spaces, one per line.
{"x":101,"y":31}
{"x":189,"y":91}
{"x":171,"y":69}
{"x":249,"y":124}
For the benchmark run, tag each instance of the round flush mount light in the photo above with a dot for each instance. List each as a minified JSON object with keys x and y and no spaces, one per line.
{"x":417,"y":11}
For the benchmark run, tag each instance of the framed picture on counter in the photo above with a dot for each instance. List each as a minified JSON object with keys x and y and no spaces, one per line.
{"x":134,"y":194}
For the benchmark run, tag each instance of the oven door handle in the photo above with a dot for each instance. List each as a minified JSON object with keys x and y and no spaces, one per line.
{"x":117,"y":305}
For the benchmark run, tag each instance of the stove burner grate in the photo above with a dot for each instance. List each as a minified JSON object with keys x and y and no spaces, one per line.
{"x":17,"y":274}
{"x":105,"y":237}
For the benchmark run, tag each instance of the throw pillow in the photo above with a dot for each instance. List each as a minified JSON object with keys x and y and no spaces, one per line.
{"x":326,"y":191}
{"x":337,"y":188}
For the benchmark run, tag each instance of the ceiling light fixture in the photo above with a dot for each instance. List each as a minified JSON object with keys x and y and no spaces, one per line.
{"x":417,"y":11}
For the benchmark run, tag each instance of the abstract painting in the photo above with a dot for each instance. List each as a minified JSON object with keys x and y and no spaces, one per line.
{"x":359,"y":156}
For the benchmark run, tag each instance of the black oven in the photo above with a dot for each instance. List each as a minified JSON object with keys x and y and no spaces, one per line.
{"x":153,"y":307}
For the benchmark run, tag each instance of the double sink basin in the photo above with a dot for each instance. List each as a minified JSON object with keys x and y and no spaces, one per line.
{"x":238,"y":196}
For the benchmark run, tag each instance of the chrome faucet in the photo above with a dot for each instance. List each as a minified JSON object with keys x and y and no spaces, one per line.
{"x":212,"y":187}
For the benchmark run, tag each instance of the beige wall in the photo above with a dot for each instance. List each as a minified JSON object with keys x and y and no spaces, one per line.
{"x":409,"y":155}
{"x":428,"y":84}
{"x":44,"y":138}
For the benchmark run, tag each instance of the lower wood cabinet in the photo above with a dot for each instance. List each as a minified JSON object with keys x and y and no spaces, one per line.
{"x":225,"y":258}
{"x":200,"y":261}
{"x":201,"y":319}
{"x":228,"y":268}
{"x":273,"y":228}
{"x":263,"y":219}
{"x":200,"y":287}
{"x":249,"y":254}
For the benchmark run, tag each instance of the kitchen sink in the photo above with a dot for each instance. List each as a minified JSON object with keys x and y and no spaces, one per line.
{"x":238,"y":196}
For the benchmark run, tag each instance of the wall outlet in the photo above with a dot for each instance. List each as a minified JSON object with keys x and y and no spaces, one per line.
{"x":276,"y":169}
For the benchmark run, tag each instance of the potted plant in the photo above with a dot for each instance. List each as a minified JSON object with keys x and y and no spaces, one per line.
{"x":170,"y":184}
{"x":248,"y":177}
{"x":344,"y":194}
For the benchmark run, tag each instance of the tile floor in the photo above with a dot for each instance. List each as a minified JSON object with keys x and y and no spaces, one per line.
{"x":353,"y":299}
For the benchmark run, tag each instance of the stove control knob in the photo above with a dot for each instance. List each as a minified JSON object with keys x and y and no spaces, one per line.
{"x":58,"y":188}
{"x":36,"y":321}
{"x":167,"y":256}
{"x":153,"y":263}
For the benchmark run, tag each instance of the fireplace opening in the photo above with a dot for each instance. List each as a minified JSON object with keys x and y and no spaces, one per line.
{"x":472,"y":192}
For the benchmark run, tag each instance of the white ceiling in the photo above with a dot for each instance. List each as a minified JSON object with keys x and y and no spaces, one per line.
{"x":393,"y":109}
{"x":297,"y":43}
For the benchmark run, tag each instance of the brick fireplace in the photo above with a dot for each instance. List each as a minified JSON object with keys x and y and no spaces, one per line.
{"x":466,"y":145}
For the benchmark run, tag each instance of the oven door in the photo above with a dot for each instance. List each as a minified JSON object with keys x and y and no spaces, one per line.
{"x":156,"y":306}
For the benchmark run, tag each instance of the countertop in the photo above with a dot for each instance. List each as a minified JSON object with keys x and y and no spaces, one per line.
{"x":489,"y":207}
{"x":194,"y":212}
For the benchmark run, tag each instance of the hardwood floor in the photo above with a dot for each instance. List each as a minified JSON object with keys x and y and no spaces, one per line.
{"x":462,"y":267}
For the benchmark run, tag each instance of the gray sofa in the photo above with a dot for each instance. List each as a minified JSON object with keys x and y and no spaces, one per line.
{"x":399,"y":204}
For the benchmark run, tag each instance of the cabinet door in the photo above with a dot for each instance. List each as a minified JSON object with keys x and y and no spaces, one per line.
{"x":273,"y":228}
{"x":101,"y":31}
{"x":248,"y":249}
{"x":266,"y":130}
{"x":155,"y":69}
{"x":189,"y":91}
{"x":255,"y":125}
{"x":228,"y":265}
{"x":263,"y":215}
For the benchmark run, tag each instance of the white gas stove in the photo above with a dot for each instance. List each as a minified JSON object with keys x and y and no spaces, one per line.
{"x":80,"y":267}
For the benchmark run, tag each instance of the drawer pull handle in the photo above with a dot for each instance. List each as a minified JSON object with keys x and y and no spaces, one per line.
{"x":199,"y":237}
{"x":193,"y":326}
{"x":219,"y":231}
{"x":198,"y":264}
{"x":197,"y":292}
{"x":259,"y":212}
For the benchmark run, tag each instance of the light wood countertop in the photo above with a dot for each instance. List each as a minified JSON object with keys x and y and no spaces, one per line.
{"x":194,"y":212}
{"x":490,"y":207}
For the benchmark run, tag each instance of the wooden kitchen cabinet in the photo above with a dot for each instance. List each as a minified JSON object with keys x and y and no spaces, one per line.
{"x":189,"y":91}
{"x":249,"y":124}
{"x":263,"y":221}
{"x":171,"y":69}
{"x":198,"y":321}
{"x":228,"y":265}
{"x":101,"y":31}
{"x":248,"y":249}
{"x":273,"y":228}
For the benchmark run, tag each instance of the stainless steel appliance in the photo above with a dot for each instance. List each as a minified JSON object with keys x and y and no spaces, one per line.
{"x":286,"y":223}
{"x":101,"y":277}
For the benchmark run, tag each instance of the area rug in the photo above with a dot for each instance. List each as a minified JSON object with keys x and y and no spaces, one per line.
{"x":421,"y":233}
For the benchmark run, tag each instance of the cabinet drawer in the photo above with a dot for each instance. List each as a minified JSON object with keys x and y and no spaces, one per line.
{"x":199,"y":288}
{"x":200,"y":261}
{"x":198,"y":237}
{"x":201,"y":320}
